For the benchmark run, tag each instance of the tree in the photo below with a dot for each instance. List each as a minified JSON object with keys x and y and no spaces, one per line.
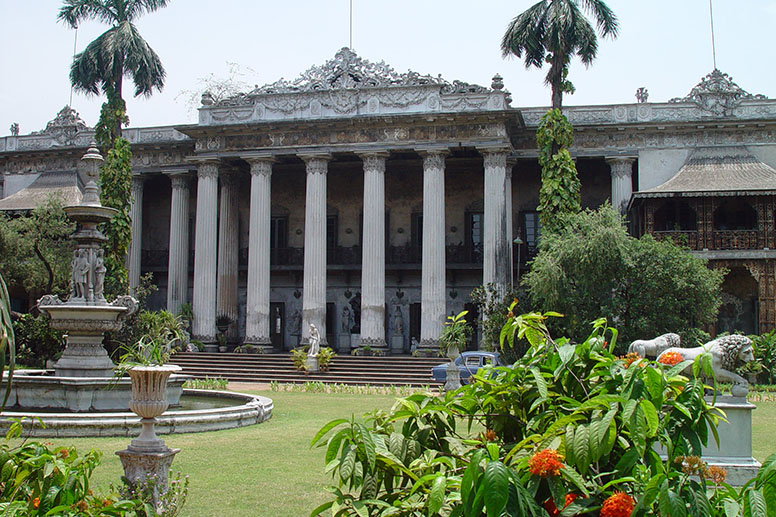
{"x":553,"y":31}
{"x":119,"y":51}
{"x":590,"y":267}
{"x":35,"y":249}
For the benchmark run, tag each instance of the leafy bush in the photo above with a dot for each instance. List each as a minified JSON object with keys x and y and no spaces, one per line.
{"x":325,"y":356}
{"x":36,"y":341}
{"x":765,"y":353}
{"x":36,"y":479}
{"x":567,"y":424}
{"x":494,"y":310}
{"x":589,"y":267}
{"x":208,"y":383}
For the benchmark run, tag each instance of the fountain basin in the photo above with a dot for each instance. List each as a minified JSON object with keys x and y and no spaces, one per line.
{"x":229,"y":410}
{"x":41,"y":389}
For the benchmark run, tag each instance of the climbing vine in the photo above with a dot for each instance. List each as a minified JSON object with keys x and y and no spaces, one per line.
{"x":116,"y":184}
{"x":559,"y":192}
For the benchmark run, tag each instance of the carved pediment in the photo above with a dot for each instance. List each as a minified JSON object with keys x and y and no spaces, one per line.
{"x":717,"y":94}
{"x":64,"y":128}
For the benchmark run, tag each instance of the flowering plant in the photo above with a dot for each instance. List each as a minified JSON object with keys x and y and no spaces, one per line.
{"x":567,"y":418}
{"x":670,"y":358}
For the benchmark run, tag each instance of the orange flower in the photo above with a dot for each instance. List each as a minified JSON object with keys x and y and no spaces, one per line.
{"x":618,"y":504}
{"x":715,"y":474}
{"x":570,"y":498}
{"x":36,"y":502}
{"x":490,"y":435}
{"x":546,"y":463}
{"x":552,"y":510}
{"x":670,"y":358}
{"x":630,"y":358}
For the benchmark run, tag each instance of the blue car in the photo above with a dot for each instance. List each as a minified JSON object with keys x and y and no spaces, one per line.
{"x":469,"y":363}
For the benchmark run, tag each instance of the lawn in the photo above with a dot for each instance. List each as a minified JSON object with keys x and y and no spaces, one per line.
{"x":269,"y":469}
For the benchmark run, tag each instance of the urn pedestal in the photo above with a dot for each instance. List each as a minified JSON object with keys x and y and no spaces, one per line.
{"x":453,"y":378}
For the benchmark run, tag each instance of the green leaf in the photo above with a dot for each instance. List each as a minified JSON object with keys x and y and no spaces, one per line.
{"x":347,"y":463}
{"x":582,"y":448}
{"x":326,"y":428}
{"x":650,"y":414}
{"x":756,"y":503}
{"x":732,"y":508}
{"x":541,"y":384}
{"x":437,"y":495}
{"x":496,"y":484}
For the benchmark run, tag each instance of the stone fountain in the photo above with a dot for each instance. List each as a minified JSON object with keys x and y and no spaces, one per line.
{"x":83,"y":377}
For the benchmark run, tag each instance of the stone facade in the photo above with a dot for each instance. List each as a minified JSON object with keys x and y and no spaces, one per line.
{"x":387,"y":193}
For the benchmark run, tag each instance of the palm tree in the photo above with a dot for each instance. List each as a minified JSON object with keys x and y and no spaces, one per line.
{"x":554,"y":31}
{"x":116,"y":52}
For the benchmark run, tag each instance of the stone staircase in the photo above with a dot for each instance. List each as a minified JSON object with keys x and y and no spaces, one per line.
{"x":354,"y":370}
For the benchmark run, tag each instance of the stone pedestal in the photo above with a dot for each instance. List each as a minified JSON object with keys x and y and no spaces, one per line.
{"x":397,"y":345}
{"x":344,"y":344}
{"x":734,"y":452}
{"x":312,"y":365}
{"x":139,"y":467}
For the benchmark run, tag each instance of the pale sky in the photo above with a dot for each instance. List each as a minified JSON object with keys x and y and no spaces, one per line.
{"x":664,"y":45}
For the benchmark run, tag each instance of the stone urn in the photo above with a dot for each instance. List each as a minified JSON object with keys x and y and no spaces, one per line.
{"x":453,"y":378}
{"x":148,"y":401}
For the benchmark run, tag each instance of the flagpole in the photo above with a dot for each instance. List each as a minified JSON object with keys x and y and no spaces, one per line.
{"x":713,"y":46}
{"x":75,"y":43}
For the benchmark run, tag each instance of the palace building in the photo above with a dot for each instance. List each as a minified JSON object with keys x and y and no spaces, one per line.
{"x":370,"y":203}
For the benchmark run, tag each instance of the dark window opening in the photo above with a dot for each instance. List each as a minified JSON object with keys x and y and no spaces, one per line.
{"x":735,"y":215}
{"x":475,"y":236}
{"x":675,"y":216}
{"x":278,"y":233}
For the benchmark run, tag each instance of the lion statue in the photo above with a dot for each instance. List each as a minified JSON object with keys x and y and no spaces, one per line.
{"x":728,"y":353}
{"x":654,"y":347}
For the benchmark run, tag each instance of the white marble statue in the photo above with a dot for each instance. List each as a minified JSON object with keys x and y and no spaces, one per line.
{"x":315,"y":341}
{"x":398,"y":322}
{"x":654,"y":347}
{"x":728,"y":353}
{"x":346,"y":318}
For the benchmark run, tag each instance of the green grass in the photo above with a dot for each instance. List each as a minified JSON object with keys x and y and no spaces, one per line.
{"x":270,"y":470}
{"x":263,"y":470}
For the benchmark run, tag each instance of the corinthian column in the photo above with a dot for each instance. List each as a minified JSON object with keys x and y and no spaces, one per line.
{"x":257,"y":304}
{"x":314,"y":301}
{"x":622,"y":182}
{"x":226,"y":295}
{"x":373,"y":252}
{"x":136,"y":245}
{"x":496,"y":267}
{"x":178,"y":267}
{"x":433,"y":308}
{"x":204,"y":302}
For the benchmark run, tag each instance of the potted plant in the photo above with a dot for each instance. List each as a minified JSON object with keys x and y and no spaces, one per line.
{"x":144,"y":362}
{"x":221,"y":337}
{"x":452,"y":340}
{"x":222,"y":322}
{"x":186,"y":314}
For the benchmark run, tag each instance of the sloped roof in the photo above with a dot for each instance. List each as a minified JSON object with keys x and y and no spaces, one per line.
{"x":60,"y":183}
{"x":718,"y":171}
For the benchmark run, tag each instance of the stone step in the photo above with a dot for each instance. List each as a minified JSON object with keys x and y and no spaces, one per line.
{"x":355,"y":370}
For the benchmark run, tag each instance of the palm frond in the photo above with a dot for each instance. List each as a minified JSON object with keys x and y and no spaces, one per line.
{"x":604,"y":16}
{"x":7,"y":342}
{"x":136,"y":8}
{"x":140,"y":60}
{"x":586,"y":43}
{"x":74,"y":11}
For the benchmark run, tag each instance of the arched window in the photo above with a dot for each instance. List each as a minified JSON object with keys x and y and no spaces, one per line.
{"x":675,"y":215}
{"x":735,"y":215}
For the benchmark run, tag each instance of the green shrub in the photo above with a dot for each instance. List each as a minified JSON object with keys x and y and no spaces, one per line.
{"x":765,"y":353}
{"x":36,"y":341}
{"x":325,"y":356}
{"x":565,"y":419}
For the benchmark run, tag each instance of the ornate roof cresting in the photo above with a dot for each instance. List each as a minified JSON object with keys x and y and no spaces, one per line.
{"x":347,"y":71}
{"x":65,"y":126}
{"x":718,"y":94}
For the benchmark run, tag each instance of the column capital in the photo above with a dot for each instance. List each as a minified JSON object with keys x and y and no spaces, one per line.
{"x":317,"y":163}
{"x":260,"y":166}
{"x":374,"y":161}
{"x":621,"y":165}
{"x":208,"y":168}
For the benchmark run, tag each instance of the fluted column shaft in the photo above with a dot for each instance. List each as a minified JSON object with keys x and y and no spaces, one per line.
{"x":622,"y":182}
{"x":496,"y":265}
{"x":257,"y":303}
{"x":205,"y":242}
{"x":510,"y":224}
{"x":433,"y":308}
{"x":314,"y":301}
{"x":136,"y":245}
{"x":226,"y":297}
{"x":178,"y":265}
{"x":373,"y":252}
